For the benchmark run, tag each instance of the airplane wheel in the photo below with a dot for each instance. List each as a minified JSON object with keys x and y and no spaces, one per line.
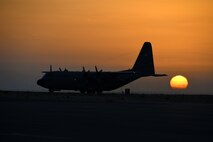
{"x":99,"y":92}
{"x":90,"y":92}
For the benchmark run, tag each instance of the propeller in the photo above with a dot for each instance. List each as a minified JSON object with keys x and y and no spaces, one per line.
{"x":96,"y":69}
{"x":50,"y":68}
{"x":83,"y":69}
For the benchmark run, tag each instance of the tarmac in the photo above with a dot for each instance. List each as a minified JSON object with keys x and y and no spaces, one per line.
{"x":37,"y":116}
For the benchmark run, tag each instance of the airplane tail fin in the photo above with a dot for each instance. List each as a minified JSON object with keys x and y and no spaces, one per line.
{"x":145,"y":63}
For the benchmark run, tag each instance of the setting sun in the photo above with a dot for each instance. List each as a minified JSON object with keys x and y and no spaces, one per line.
{"x":179,"y":82}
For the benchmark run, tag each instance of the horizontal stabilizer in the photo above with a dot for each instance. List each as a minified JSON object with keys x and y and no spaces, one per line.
{"x":159,"y":75}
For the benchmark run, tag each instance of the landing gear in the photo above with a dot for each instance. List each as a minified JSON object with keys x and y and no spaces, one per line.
{"x":82,"y":91}
{"x":99,"y":92}
{"x":51,"y":91}
{"x":92,"y":92}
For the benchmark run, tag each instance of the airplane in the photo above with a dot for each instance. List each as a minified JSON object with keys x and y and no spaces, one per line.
{"x":98,"y":80}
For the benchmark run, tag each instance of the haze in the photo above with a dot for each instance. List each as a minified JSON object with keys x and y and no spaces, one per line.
{"x":108,"y":34}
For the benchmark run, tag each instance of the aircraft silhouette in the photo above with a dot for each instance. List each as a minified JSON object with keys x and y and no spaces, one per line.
{"x":98,"y":81}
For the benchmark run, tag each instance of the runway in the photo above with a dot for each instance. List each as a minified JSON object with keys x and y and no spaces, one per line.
{"x":50,"y":121}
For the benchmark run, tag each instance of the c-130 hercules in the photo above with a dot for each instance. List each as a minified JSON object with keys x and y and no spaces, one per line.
{"x":98,"y":81}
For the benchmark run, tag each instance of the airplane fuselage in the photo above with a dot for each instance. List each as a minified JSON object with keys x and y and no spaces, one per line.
{"x":87,"y":81}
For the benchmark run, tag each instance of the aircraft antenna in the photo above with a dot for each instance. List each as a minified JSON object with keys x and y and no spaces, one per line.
{"x":50,"y":68}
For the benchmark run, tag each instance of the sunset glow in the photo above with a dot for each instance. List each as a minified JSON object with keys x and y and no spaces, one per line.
{"x":107,"y":33}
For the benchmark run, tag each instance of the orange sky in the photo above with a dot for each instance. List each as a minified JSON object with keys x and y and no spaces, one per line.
{"x":106,"y":33}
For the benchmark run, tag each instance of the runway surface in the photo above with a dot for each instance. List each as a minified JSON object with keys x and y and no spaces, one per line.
{"x":105,"y":121}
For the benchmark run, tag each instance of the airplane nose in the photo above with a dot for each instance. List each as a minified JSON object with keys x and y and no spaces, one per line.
{"x":40,"y":82}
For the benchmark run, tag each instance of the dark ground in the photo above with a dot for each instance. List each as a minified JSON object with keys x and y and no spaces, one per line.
{"x":75,"y":117}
